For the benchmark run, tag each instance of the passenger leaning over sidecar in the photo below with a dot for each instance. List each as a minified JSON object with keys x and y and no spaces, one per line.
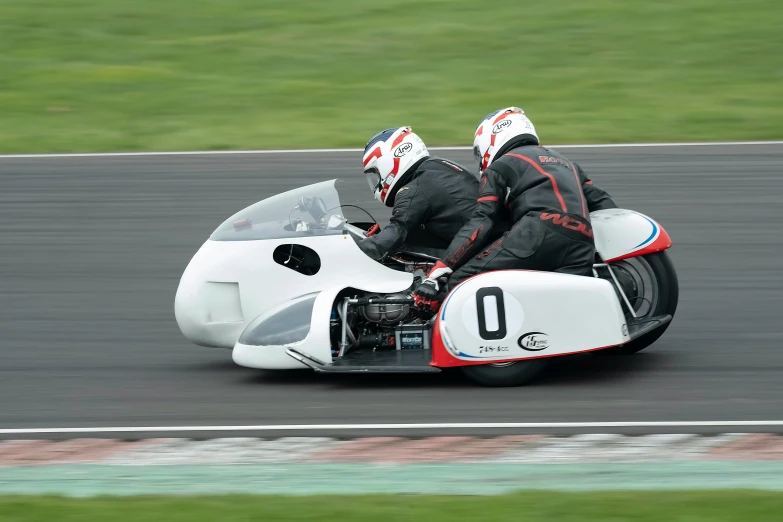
{"x":549,"y":197}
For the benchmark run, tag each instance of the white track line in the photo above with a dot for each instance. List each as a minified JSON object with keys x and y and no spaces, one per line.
{"x":341,"y":427}
{"x":328,"y":151}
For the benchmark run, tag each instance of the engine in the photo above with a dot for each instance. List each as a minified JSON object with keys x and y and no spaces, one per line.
{"x":386,"y":314}
{"x":378,"y":322}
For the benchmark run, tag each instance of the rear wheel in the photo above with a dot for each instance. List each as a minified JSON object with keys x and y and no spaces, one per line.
{"x":650,"y":283}
{"x":514,"y":373}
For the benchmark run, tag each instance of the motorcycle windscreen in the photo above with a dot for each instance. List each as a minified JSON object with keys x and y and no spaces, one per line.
{"x":277,"y":217}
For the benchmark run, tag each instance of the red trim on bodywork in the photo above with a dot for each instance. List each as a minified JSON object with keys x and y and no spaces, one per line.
{"x":440,"y":355}
{"x":441,"y":358}
{"x":662,"y":242}
{"x":545,"y":173}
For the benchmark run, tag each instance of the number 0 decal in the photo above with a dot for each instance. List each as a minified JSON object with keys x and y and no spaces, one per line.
{"x":491,"y":313}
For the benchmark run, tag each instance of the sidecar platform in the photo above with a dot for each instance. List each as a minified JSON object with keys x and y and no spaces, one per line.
{"x":638,"y":328}
{"x":391,"y":361}
{"x":418,"y":361}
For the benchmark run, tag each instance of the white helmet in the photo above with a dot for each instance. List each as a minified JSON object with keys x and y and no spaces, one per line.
{"x":497,"y":129}
{"x":388,"y":156}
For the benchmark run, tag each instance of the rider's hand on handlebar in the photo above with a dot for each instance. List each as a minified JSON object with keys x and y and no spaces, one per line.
{"x":373,"y":230}
{"x":425,"y":296}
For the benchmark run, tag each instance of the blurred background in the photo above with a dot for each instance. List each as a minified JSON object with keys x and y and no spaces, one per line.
{"x":92,"y":248}
{"x":81,"y":75}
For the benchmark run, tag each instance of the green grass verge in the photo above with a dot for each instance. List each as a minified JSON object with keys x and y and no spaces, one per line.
{"x":716,"y":506}
{"x":87,"y":75}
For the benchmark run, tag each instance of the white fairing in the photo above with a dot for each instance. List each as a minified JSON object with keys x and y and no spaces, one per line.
{"x":228,"y":283}
{"x":544,"y":314}
{"x":619,"y":232}
{"x":234,"y":293}
{"x":272,"y":356}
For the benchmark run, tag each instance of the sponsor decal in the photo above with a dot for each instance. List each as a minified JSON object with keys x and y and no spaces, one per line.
{"x":453,"y":166}
{"x":243,"y":223}
{"x":624,"y":329}
{"x":493,"y":349}
{"x":499,"y":126}
{"x":534,"y":341}
{"x":567,"y":222}
{"x":552,"y":159}
{"x":402,"y":150}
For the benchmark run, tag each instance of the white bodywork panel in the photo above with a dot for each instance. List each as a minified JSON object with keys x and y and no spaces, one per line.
{"x":229,"y":283}
{"x":618,"y":232}
{"x":545,"y":314}
{"x":316,"y":343}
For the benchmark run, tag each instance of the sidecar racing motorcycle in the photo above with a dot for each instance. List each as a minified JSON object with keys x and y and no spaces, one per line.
{"x":284,"y":285}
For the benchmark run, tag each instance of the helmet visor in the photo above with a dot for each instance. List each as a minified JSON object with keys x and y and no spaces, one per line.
{"x":477,"y":155}
{"x":373,"y":179}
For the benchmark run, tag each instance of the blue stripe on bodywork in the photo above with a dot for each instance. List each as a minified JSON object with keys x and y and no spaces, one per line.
{"x":462,"y":354}
{"x":652,"y":236}
{"x":445,"y":304}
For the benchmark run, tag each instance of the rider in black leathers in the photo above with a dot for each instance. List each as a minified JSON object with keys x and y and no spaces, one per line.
{"x":549,"y":198}
{"x":433,"y":198}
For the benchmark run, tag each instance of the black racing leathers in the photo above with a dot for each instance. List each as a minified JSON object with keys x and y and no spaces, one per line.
{"x":429,"y":209}
{"x":549,"y":198}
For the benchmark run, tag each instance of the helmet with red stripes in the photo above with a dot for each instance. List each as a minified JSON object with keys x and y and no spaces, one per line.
{"x":388,"y":156}
{"x":498,"y":129}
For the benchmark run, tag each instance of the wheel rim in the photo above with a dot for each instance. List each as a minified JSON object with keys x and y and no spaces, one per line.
{"x":645,"y":283}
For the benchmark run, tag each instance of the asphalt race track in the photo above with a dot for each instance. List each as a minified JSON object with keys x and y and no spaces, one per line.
{"x":92,"y":248}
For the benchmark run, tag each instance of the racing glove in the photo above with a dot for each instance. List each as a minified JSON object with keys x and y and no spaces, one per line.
{"x":425,"y":297}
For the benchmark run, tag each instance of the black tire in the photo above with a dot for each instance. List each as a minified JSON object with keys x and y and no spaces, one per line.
{"x":668,"y":294}
{"x":512,"y":374}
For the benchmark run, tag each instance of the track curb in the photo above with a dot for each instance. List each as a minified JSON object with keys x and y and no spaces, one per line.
{"x":533,"y":449}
